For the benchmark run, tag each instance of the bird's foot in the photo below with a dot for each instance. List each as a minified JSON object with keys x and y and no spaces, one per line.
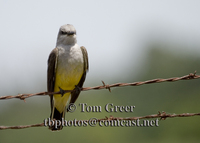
{"x":77,"y":89}
{"x":62,"y":92}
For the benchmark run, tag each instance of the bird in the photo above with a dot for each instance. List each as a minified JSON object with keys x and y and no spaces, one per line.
{"x":67,"y":69}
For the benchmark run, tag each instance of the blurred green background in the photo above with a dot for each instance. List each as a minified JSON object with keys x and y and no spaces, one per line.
{"x":175,"y":97}
{"x":127,"y":41}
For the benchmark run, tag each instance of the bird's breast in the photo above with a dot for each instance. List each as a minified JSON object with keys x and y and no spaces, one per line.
{"x":69,"y":67}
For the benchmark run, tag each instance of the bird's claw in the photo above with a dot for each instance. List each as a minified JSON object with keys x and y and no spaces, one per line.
{"x":62,"y":92}
{"x":77,"y":89}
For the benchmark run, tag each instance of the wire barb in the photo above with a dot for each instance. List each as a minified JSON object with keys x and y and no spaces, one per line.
{"x":106,"y":86}
{"x":186,"y":77}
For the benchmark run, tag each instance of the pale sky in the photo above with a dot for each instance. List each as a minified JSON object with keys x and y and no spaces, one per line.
{"x":114,"y":32}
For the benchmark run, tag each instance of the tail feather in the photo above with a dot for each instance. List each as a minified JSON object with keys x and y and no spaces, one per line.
{"x":56,"y":115}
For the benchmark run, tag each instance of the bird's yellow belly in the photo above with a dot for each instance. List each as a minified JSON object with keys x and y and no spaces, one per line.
{"x":67,"y":76}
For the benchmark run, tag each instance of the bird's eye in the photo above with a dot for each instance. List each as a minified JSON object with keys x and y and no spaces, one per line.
{"x":63,"y":32}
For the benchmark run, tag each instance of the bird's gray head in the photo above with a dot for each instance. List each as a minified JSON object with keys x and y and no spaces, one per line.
{"x":67,"y":35}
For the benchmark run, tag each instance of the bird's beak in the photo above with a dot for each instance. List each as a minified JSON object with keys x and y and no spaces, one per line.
{"x":70,"y":33}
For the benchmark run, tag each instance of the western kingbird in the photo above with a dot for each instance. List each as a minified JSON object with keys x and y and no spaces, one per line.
{"x":67,"y":67}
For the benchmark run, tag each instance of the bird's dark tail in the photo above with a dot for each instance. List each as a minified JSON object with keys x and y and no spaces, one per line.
{"x":57,"y":117}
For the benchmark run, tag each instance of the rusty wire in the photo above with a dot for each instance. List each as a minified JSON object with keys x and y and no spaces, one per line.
{"x":104,"y":86}
{"x":160,"y":115}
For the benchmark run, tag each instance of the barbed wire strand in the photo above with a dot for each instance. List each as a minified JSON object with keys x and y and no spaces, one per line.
{"x":160,"y":115}
{"x":104,"y":86}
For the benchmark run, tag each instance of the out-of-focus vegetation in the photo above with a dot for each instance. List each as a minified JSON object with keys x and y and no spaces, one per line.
{"x":176,"y":97}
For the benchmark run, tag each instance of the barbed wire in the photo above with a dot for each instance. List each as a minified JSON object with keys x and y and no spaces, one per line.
{"x":21,"y":126}
{"x":160,"y":115}
{"x":104,"y":86}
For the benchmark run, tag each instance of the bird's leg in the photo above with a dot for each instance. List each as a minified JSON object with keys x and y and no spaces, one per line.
{"x":62,"y":92}
{"x":77,"y":89}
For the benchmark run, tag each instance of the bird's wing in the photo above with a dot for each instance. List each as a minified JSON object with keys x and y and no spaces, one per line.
{"x":52,"y":64}
{"x":75,"y":94}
